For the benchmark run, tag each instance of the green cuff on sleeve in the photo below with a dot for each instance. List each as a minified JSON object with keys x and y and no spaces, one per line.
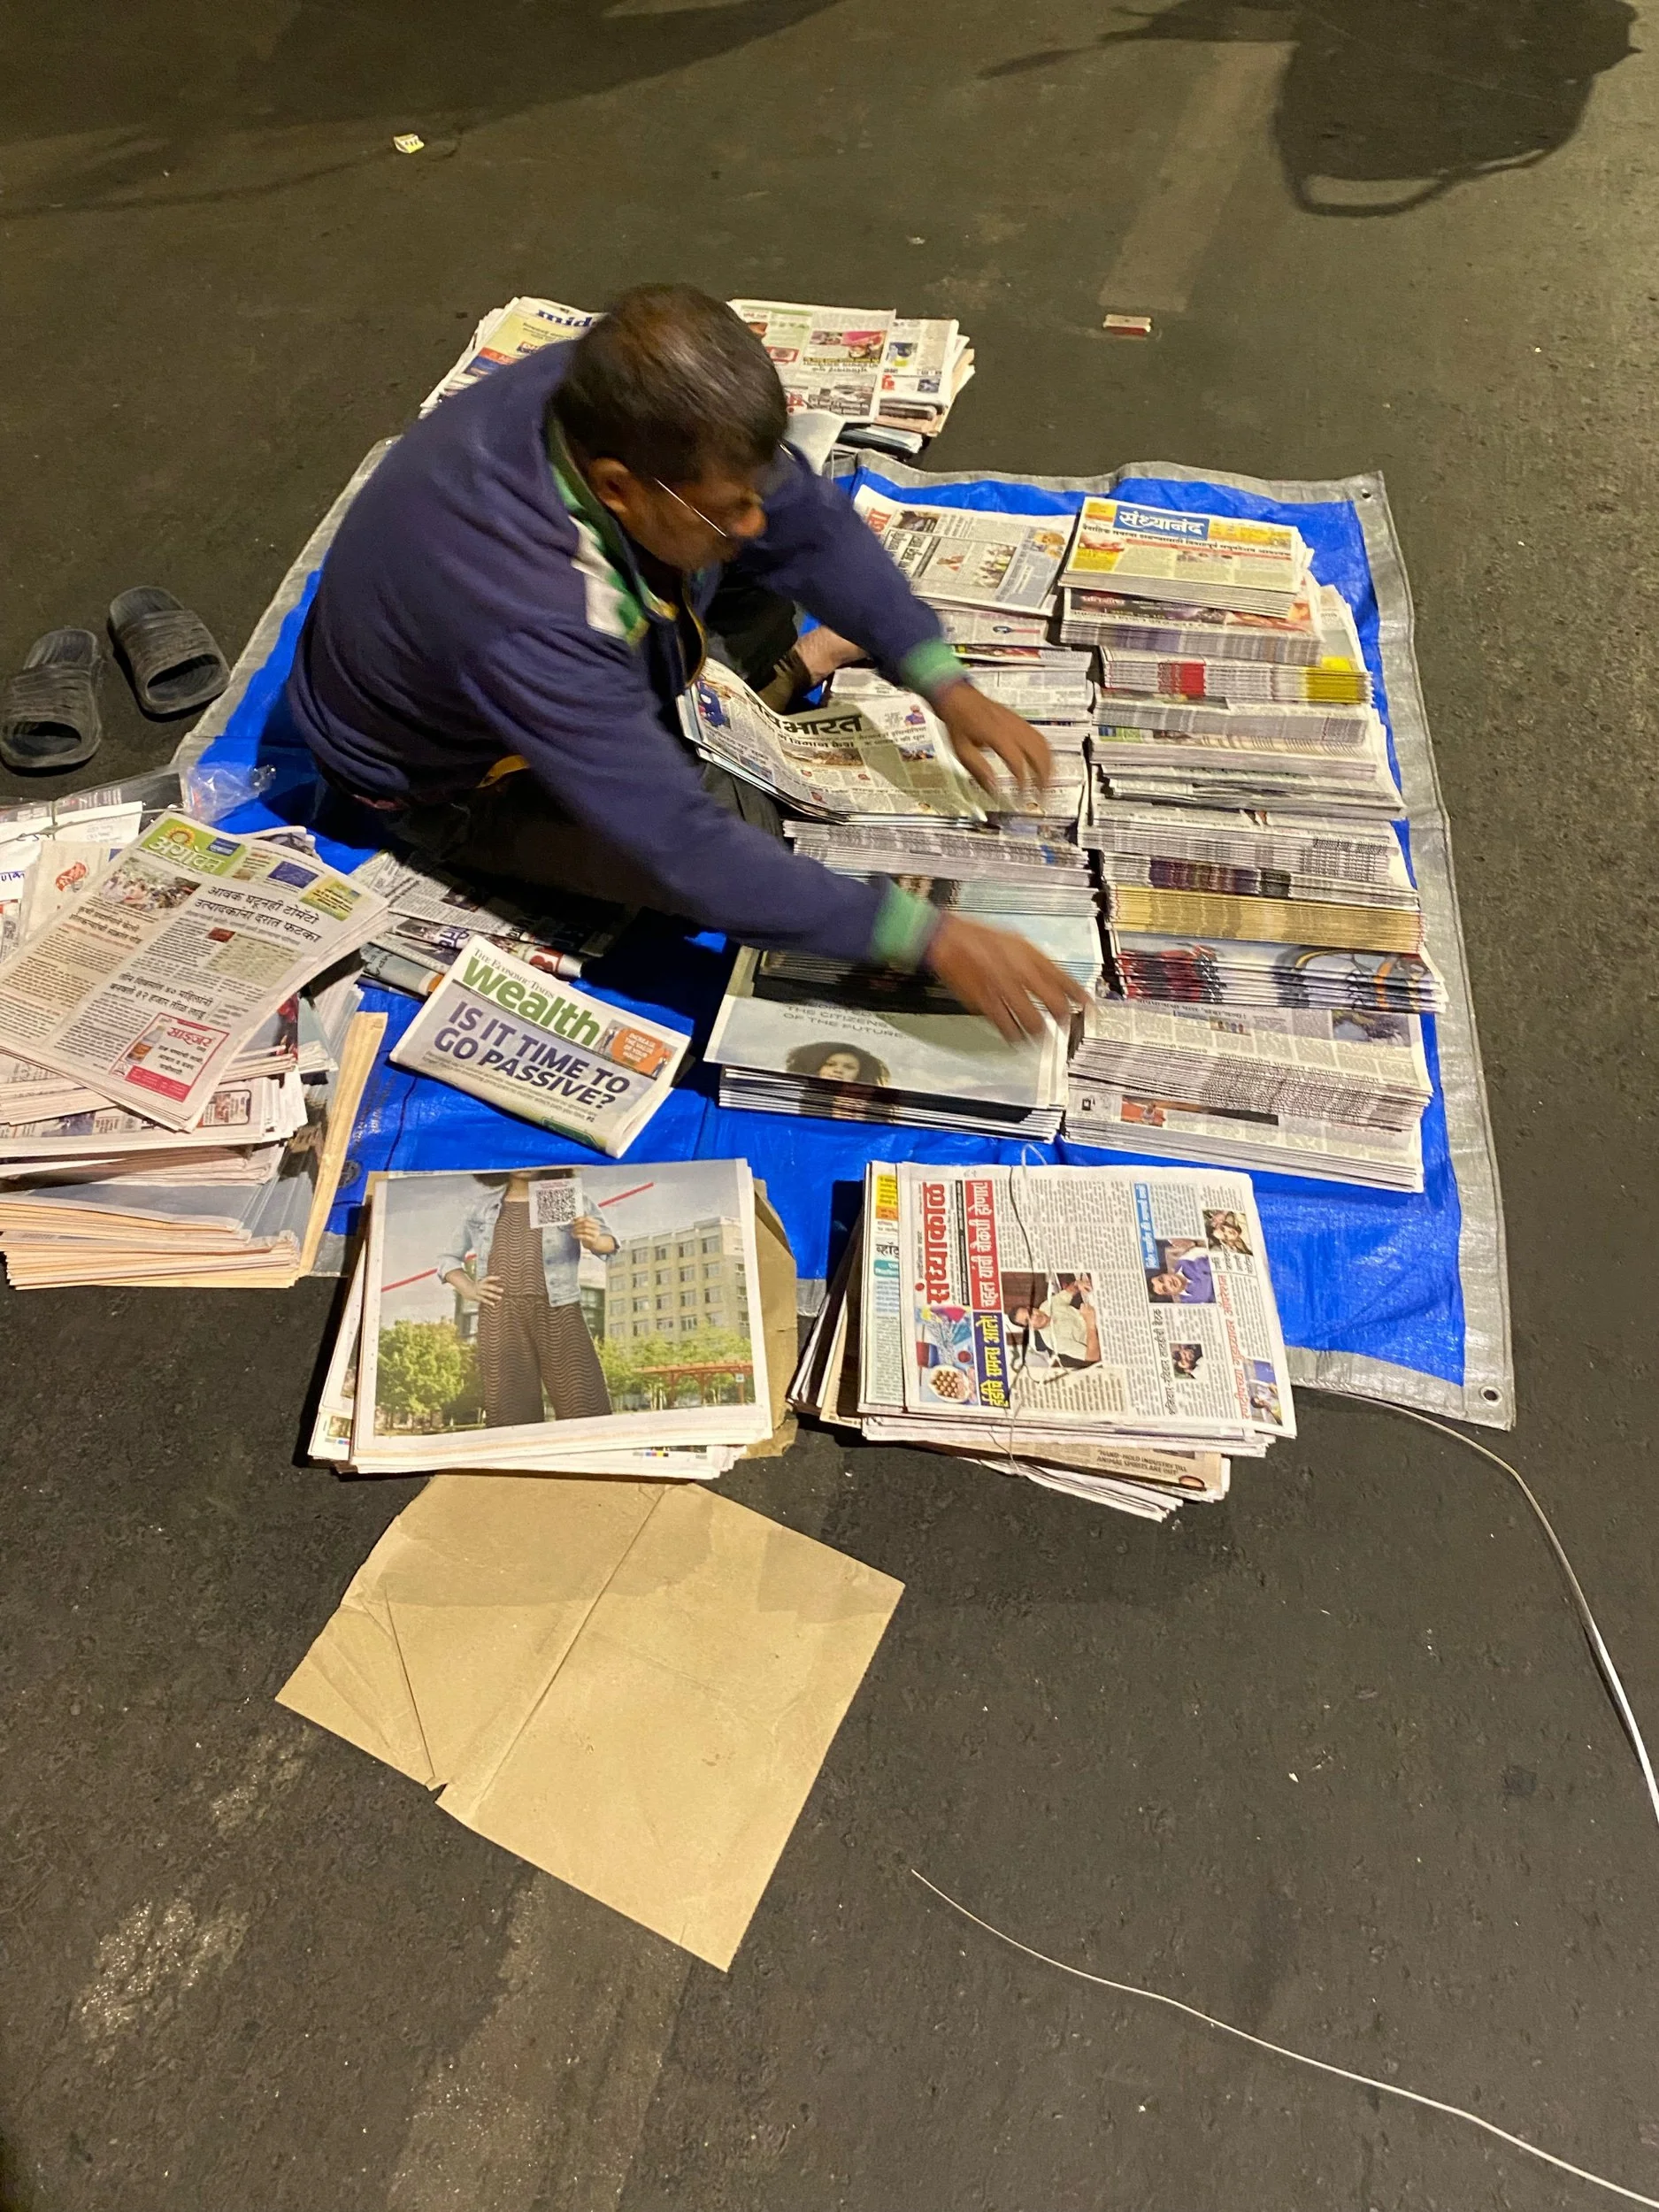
{"x":904,"y":931}
{"x":930,"y":667}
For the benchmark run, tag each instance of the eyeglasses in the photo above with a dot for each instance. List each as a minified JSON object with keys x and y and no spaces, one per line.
{"x":768,"y":481}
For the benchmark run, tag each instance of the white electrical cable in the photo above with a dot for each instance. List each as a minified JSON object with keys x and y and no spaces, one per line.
{"x":1609,"y":1673}
{"x":1593,"y":1636}
{"x":1280,"y":2050}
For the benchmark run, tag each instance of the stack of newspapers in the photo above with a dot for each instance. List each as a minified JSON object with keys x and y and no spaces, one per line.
{"x":1216,"y":689}
{"x":992,"y":578}
{"x":431,"y":915}
{"x":588,"y":1320}
{"x":800,"y":1035}
{"x":1338,"y":1093}
{"x":868,"y":374}
{"x":1285,"y":879}
{"x":797,"y":1036}
{"x":1108,"y":1332}
{"x":176,"y":1093}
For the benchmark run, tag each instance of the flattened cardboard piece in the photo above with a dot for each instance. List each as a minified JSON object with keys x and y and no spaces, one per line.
{"x":631,"y":1686}
{"x":778,"y":1303}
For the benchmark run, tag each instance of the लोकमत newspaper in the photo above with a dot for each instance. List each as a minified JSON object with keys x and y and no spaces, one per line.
{"x":146,"y":986}
{"x":509,"y":1033}
{"x":833,"y":760}
{"x":828,"y":359}
{"x":506,"y":334}
{"x":1134,"y":1297}
{"x":1006,"y":563}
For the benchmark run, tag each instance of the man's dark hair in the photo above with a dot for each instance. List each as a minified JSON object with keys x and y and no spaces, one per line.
{"x":671,"y":382}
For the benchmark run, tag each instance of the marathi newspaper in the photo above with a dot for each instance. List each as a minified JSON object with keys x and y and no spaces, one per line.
{"x":1212,"y":560}
{"x":508,"y":1033}
{"x":1089,"y":1296}
{"x":833,"y":760}
{"x":146,"y":986}
{"x":1005,"y":563}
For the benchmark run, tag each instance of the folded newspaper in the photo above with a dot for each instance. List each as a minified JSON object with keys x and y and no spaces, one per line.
{"x":1041,"y":1318}
{"x":163,"y":965}
{"x":507,"y":335}
{"x":508,"y":1033}
{"x":1164,"y":553}
{"x":829,"y":359}
{"x":835,"y":760}
{"x":1004,"y":562}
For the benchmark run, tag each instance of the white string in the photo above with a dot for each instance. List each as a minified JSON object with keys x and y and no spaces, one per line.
{"x":1614,"y":1688}
{"x":1593,"y":1636}
{"x":1281,"y":2050}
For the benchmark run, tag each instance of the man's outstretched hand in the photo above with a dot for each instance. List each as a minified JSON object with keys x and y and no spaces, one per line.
{"x":1003,"y":976}
{"x":983,"y":729}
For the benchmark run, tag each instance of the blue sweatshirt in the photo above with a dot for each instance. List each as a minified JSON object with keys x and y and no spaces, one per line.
{"x":478,"y":604}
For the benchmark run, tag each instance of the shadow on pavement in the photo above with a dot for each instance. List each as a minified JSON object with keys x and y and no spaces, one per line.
{"x":116,"y":101}
{"x":1386,"y":104}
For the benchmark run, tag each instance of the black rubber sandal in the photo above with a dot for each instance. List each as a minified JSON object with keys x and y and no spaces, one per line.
{"x":49,"y":711}
{"x":167,"y":652}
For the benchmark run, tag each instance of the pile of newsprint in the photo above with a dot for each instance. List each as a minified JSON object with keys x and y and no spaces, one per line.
{"x":1219,"y":756}
{"x":175,"y":1091}
{"x":860,"y":376}
{"x":555,"y":1320}
{"x":1108,"y":1332}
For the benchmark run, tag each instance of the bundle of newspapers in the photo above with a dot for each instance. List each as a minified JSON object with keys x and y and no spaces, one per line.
{"x":431,"y":916}
{"x":802,"y":1036}
{"x":175,"y":1098}
{"x":590,"y":1321}
{"x":1337,"y":1093}
{"x":867,"y":374}
{"x":1294,"y":880}
{"x":1108,"y":1332}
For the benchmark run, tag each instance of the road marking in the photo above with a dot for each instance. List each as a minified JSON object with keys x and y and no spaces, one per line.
{"x":1226,"y":113}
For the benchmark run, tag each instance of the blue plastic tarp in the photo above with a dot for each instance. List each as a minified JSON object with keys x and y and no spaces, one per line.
{"x":1382,"y":1293}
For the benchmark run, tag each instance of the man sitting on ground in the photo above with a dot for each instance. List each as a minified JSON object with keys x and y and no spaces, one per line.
{"x":519,"y":595}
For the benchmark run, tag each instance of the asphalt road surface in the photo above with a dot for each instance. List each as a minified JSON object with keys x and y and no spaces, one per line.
{"x":1329,"y":1760}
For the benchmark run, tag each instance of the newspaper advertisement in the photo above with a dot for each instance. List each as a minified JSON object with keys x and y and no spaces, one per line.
{"x":768,"y":1026}
{"x":1146,"y":550}
{"x":1066,"y":1295}
{"x":829,"y":359}
{"x":1360,"y":1064}
{"x":505,"y":1031}
{"x":959,"y":554}
{"x":635,"y":1323}
{"x":833,"y":760}
{"x":507,"y":335}
{"x":978,"y":629}
{"x":146,"y":986}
